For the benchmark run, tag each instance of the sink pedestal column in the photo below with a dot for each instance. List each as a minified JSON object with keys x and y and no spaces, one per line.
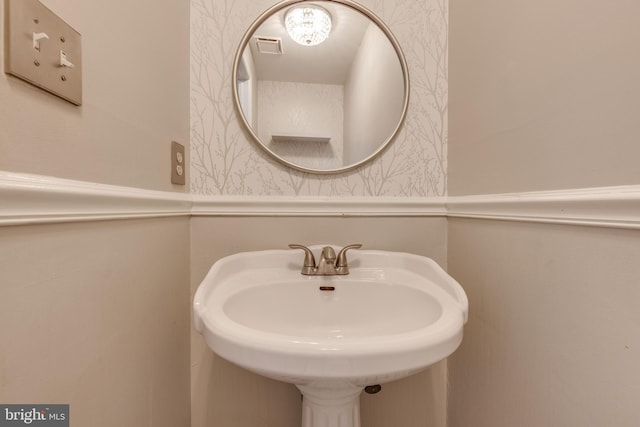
{"x":325,"y":406}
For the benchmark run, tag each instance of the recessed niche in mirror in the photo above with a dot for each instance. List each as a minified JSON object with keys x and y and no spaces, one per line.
{"x":327,"y":107}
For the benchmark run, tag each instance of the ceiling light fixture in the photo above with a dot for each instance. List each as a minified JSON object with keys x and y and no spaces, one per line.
{"x":308,"y":25}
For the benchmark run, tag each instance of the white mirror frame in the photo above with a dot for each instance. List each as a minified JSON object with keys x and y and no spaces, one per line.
{"x":236,"y":96}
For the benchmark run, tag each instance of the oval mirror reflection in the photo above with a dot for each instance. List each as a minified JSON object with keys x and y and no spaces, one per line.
{"x":328,"y":107}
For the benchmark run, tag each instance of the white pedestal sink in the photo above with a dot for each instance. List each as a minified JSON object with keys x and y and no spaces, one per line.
{"x":392,"y":316}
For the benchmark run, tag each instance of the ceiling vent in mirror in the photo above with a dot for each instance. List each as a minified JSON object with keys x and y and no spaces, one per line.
{"x":269,"y":45}
{"x":308,"y":25}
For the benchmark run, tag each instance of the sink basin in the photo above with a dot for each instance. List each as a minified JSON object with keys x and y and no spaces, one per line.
{"x":357,"y":310}
{"x":393,"y":315}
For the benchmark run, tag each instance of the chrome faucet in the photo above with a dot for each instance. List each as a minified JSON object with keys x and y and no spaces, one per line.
{"x":330,"y":264}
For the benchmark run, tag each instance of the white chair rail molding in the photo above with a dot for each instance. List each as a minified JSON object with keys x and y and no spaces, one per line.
{"x":29,"y":199}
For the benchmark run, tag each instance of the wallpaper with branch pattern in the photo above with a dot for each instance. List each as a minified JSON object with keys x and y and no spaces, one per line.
{"x":226,"y":161}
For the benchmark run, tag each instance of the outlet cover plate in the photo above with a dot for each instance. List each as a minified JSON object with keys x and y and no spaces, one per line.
{"x":178,"y":164}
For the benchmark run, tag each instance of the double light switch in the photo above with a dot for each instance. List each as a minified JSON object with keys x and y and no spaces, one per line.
{"x":43,"y":50}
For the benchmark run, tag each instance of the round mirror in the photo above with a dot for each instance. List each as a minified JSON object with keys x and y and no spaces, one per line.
{"x":321,"y":105}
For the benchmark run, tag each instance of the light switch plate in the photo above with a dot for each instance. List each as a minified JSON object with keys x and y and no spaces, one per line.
{"x":38,"y":44}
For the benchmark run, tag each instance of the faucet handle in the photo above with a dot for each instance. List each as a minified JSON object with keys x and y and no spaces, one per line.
{"x":341,"y":259}
{"x":309,"y":263}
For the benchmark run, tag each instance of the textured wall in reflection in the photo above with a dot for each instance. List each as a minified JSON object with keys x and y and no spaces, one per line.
{"x":225,"y":161}
{"x":303,"y":109}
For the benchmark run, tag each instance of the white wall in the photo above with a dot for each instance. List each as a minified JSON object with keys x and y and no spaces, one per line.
{"x":135,"y":87}
{"x":96,"y":314}
{"x":546,"y":95}
{"x":543,"y":97}
{"x":374,"y":95}
{"x":248,"y":89}
{"x":302,"y":109}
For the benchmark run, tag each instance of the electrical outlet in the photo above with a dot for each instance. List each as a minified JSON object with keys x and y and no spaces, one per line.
{"x":178,"y":164}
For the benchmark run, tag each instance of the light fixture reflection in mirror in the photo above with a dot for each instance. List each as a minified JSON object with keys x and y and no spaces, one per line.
{"x":308,"y":25}
{"x":326,"y":108}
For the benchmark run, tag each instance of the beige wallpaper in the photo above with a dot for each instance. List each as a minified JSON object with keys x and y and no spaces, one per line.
{"x":224,"y":161}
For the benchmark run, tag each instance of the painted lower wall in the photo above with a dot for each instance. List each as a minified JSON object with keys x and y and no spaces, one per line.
{"x":97,"y":315}
{"x":227,"y":396}
{"x":552,"y":338}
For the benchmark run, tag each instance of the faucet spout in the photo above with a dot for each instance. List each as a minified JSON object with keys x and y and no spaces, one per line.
{"x":327,"y":263}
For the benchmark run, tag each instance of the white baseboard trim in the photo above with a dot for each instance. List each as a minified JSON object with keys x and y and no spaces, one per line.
{"x":34,"y":199}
